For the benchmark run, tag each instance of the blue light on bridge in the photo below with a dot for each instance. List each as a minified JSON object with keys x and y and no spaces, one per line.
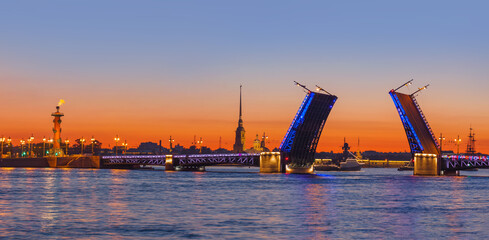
{"x":285,"y":146}
{"x":405,"y":119}
{"x":291,"y":131}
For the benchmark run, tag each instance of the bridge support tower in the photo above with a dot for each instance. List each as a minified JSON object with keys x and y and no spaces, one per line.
{"x":427,"y":164}
{"x":271,"y":162}
{"x":169,"y":163}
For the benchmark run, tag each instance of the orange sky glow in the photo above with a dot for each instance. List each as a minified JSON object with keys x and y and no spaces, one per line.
{"x":207,"y":111}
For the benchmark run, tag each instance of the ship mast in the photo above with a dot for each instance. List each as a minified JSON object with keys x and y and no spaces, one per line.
{"x":471,"y":143}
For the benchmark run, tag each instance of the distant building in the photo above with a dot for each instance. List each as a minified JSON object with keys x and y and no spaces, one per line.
{"x":258,"y":145}
{"x":151,"y":147}
{"x":239,"y":142}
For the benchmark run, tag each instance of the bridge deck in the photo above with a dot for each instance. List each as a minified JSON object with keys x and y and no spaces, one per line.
{"x":184,"y":160}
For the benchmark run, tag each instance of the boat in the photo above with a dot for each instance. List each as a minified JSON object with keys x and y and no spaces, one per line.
{"x":329,"y":167}
{"x":407,"y":167}
{"x":325,"y":165}
{"x":351,"y":164}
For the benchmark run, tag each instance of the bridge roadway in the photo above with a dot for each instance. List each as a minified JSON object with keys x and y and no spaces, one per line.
{"x":448,"y":162}
{"x":189,"y":160}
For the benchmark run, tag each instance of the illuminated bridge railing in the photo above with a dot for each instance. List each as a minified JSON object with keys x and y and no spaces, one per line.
{"x":134,"y":160}
{"x":413,"y":139}
{"x":426,"y":122}
{"x":244,"y":159}
{"x":459,"y":162}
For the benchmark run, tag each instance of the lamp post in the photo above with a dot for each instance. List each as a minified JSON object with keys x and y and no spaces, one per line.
{"x":200,"y":145}
{"x":457,"y":141}
{"x":30,"y":145}
{"x":50,"y":141}
{"x":441,"y":142}
{"x":93,"y":143}
{"x":2,"y":139}
{"x":22,"y":143}
{"x":82,"y":142}
{"x":9,"y":142}
{"x":116,"y":139}
{"x":67,"y":144}
{"x":125,"y":147}
{"x":171,"y":144}
{"x":43,"y":146}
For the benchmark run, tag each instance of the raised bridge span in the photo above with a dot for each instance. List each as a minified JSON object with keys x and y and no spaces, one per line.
{"x":426,"y":151}
{"x":296,"y":150}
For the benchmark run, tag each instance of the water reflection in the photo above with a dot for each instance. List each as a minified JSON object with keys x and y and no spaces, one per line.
{"x":319,"y":210}
{"x":83,"y":203}
{"x":49,"y":209}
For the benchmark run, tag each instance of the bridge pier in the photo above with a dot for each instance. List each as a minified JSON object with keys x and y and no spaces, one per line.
{"x":169,"y":163}
{"x":271,"y":162}
{"x":427,"y":164}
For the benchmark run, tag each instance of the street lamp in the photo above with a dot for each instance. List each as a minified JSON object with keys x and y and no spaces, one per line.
{"x":82,"y":141}
{"x":43,"y":146}
{"x":171,"y":143}
{"x":441,"y":138}
{"x":9,"y":140}
{"x":50,"y":141}
{"x":200,"y":145}
{"x":30,"y":145}
{"x":125,"y":146}
{"x":457,"y":141}
{"x":2,"y":139}
{"x":93,"y":143}
{"x":67,"y":143}
{"x":116,"y":139}
{"x":22,"y":143}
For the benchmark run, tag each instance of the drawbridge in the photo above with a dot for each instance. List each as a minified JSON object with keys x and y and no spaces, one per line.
{"x":301,"y":140}
{"x":426,"y":151}
{"x":297,"y":148}
{"x":418,"y":131}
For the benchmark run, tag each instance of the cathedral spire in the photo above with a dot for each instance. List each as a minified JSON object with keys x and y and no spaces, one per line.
{"x":240,"y":86}
{"x":239,"y":141}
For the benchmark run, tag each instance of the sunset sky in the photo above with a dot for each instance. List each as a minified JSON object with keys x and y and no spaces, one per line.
{"x":146,"y":70}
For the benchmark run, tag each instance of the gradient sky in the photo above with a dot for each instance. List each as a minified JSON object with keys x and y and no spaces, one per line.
{"x":146,"y":70}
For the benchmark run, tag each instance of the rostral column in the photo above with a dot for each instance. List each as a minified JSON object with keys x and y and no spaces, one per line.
{"x":57,"y":151}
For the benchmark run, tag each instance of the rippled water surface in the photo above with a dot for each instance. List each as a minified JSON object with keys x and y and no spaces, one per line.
{"x":241,"y":203}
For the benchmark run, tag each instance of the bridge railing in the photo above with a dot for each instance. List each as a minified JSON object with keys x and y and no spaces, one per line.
{"x":464,"y":162}
{"x":214,"y":159}
{"x":246,"y":159}
{"x":425,"y":121}
{"x":134,"y":160}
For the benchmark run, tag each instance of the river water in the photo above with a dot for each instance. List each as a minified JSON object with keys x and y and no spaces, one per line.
{"x":240,"y":203}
